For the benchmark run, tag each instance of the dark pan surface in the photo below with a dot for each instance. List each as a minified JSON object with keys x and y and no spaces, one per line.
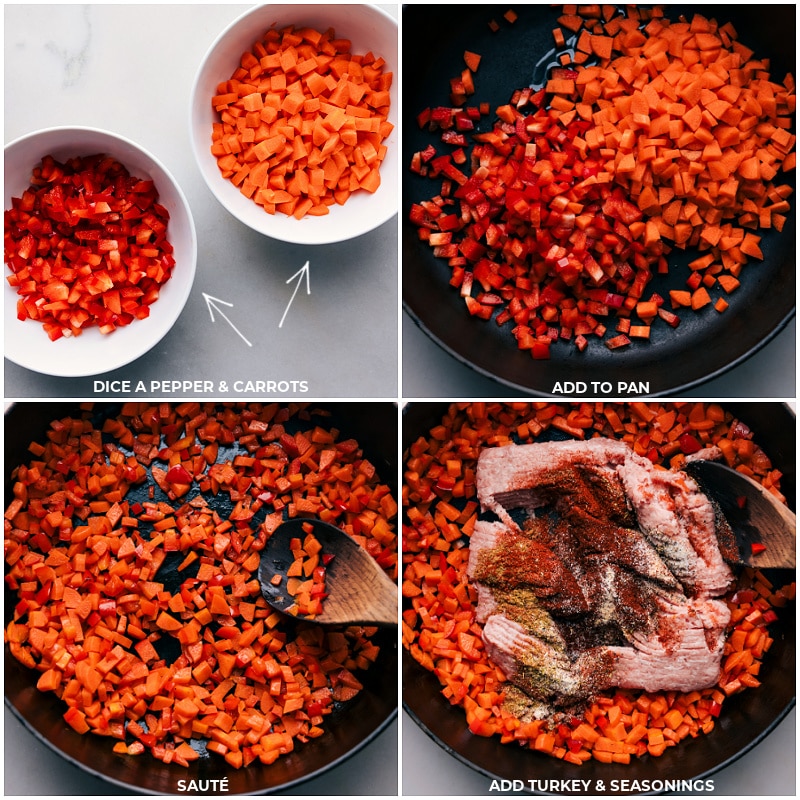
{"x":347,"y":730}
{"x":745,"y":721}
{"x":705,"y":344}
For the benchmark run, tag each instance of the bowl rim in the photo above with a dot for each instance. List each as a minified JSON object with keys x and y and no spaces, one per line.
{"x":292,"y":232}
{"x":117,"y":357}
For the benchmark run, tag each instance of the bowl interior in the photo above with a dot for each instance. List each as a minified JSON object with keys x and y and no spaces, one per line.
{"x":369,"y":29}
{"x":92,"y":353}
{"x":350,"y":727}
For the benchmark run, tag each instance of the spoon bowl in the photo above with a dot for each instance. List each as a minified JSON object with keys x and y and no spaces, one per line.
{"x":764,"y":528}
{"x":358,"y":591}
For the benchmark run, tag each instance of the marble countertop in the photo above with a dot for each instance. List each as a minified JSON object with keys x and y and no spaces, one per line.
{"x":130,"y":69}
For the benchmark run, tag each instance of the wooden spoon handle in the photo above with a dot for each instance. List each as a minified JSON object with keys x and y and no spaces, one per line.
{"x":358,"y":592}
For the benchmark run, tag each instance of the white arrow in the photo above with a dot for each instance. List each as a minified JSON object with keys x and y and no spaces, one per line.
{"x":304,"y":270}
{"x":211,"y":301}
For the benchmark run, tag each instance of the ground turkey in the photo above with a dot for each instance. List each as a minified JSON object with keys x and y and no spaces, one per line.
{"x":602,"y":571}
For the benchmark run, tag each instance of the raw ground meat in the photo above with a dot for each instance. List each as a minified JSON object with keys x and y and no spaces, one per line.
{"x":603,"y":571}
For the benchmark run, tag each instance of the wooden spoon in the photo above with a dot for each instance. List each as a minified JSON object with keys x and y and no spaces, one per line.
{"x":755,"y":516}
{"x":359,"y":592}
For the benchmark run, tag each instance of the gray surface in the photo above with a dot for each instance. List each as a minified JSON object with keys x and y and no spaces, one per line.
{"x":341,"y":339}
{"x":767,"y":770}
{"x":430,"y":371}
{"x":33,"y":769}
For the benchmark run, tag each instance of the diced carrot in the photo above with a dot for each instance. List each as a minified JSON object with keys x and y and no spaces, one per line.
{"x":700,"y":298}
{"x":94,"y":640}
{"x":439,"y":624}
{"x":750,"y":246}
{"x":312,"y":91}
{"x":728,"y":283}
{"x":472,"y":60}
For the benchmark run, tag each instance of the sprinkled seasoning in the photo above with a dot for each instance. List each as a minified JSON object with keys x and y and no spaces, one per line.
{"x":444,"y":612}
{"x":575,"y":584}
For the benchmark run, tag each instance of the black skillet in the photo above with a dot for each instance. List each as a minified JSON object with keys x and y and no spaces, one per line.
{"x":348,"y":729}
{"x":746,"y":719}
{"x":705,"y":344}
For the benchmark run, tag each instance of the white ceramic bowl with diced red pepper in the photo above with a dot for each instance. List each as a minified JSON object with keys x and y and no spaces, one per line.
{"x":94,"y":352}
{"x":370,"y":30}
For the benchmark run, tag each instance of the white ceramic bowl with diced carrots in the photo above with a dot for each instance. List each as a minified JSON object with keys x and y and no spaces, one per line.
{"x":94,"y":352}
{"x":369,"y":29}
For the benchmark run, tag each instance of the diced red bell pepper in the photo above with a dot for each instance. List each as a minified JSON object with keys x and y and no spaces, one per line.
{"x":178,"y":474}
{"x":689,"y":444}
{"x":75,"y":243}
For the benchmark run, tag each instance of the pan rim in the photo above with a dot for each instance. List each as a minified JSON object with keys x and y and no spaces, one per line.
{"x":378,"y":700}
{"x":675,"y":390}
{"x":692,"y":360}
{"x":416,"y":418}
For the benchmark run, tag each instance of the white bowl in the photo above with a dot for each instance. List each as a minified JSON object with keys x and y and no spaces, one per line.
{"x":92,"y":353}
{"x":369,"y":29}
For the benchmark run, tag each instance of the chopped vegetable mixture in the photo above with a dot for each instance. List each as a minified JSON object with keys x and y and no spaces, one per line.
{"x":653,"y":135}
{"x":132,"y":546}
{"x":439,"y":627}
{"x":306,"y":575}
